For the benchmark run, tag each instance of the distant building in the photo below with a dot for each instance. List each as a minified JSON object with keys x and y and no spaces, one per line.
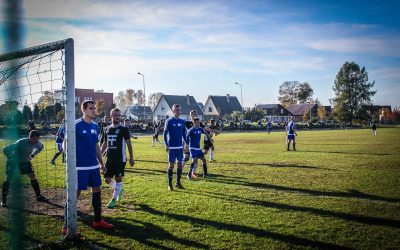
{"x":82,"y":95}
{"x":298,"y":110}
{"x":377,"y":111}
{"x":274,"y":112}
{"x":137,"y":112}
{"x":220,"y":106}
{"x":163,"y":109}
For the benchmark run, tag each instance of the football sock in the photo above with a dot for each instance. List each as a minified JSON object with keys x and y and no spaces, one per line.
{"x":194,"y":167}
{"x":4,"y":190}
{"x":170,"y":175}
{"x":211,"y":154}
{"x":178,"y":174}
{"x":117,"y":190}
{"x":112,"y":184}
{"x":191,"y":169}
{"x":56,"y":156}
{"x":294,"y":146}
{"x":96,"y":203}
{"x":204,"y":170}
{"x":36,"y":188}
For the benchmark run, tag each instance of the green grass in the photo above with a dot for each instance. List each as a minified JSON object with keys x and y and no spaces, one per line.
{"x":340,"y":189}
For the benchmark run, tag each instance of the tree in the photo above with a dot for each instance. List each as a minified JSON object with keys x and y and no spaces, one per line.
{"x":352,"y":90}
{"x":100,"y":107}
{"x":253,"y":114}
{"x":26,"y":113}
{"x":321,"y":112}
{"x":36,"y":112}
{"x":153,"y":99}
{"x":292,"y":92}
{"x":46,"y":100}
{"x":304,"y":92}
{"x":140,"y":97}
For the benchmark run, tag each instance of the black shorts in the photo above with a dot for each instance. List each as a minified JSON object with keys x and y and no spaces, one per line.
{"x":207,"y":145}
{"x":115,"y":168}
{"x":24,"y":167}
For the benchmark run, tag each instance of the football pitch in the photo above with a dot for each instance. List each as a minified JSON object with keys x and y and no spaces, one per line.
{"x":340,"y":189}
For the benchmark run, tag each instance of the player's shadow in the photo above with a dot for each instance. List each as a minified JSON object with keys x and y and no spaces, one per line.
{"x":145,"y":233}
{"x":290,"y":239}
{"x":143,"y":171}
{"x":339,"y":215}
{"x":347,"y":153}
{"x":273,"y":165}
{"x":352,"y":193}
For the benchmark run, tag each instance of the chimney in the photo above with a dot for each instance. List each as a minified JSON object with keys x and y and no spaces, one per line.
{"x":188,"y":99}
{"x":227,"y":97}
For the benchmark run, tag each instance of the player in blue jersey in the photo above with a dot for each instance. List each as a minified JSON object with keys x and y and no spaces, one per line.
{"x":19,"y":156}
{"x":117,"y":138}
{"x":88,"y":158}
{"x":269,"y":127}
{"x":59,"y":142}
{"x":174,"y":134}
{"x":193,"y":137}
{"x":291,"y":133}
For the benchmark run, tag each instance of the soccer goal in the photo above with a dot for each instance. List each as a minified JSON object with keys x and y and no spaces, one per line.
{"x":37,"y":92}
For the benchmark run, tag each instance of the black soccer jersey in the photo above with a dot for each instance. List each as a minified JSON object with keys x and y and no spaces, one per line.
{"x":116,"y":145}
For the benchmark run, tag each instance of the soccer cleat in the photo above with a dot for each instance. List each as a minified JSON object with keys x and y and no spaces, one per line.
{"x":189,"y":176}
{"x":179,"y":185}
{"x":170,"y":188}
{"x":111,"y":204}
{"x":101,"y":224}
{"x":41,"y":198}
{"x":52,"y":162}
{"x":194,"y":175}
{"x":119,"y":197}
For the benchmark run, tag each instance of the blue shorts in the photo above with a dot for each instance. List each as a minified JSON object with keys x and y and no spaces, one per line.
{"x":196,"y":153}
{"x":89,"y":178}
{"x":175,"y":155}
{"x":290,"y":137}
{"x":59,"y":147}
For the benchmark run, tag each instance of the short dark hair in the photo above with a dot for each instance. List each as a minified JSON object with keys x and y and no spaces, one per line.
{"x":176,"y":106}
{"x":34,"y":133}
{"x":127,"y":119}
{"x":85,"y":104}
{"x":196,"y":119}
{"x":212,"y":120}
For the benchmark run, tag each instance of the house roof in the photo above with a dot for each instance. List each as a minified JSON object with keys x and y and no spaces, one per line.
{"x":187,"y":103}
{"x":300,"y":109}
{"x":269,"y":106}
{"x":223,"y":106}
{"x":138,"y":109}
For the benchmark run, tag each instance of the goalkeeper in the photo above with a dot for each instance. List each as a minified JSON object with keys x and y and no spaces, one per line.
{"x":20,"y":154}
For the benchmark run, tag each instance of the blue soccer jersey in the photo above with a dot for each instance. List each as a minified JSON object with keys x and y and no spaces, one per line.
{"x":86,"y":141}
{"x":290,"y":128}
{"x":60,"y":134}
{"x":174,"y":132}
{"x":194,"y":137}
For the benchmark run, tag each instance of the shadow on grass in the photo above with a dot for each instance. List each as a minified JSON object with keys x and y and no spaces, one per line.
{"x":143,"y":232}
{"x":290,"y":239}
{"x":351,"y":194}
{"x":273,"y":165}
{"x":339,"y":215}
{"x":347,"y":153}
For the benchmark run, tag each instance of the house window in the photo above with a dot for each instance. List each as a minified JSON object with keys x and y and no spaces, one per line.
{"x":87,"y":98}
{"x":162,"y":107}
{"x":282,"y":111}
{"x":78,"y":99}
{"x":210,"y":109}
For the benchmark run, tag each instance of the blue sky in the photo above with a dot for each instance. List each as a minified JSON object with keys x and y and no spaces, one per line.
{"x":202,"y":48}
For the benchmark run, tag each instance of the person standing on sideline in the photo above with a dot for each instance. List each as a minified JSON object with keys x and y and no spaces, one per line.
{"x":127,"y":123}
{"x":88,"y":158}
{"x":19,"y":154}
{"x":117,"y":137}
{"x":59,"y":142}
{"x":269,"y":127}
{"x":156,"y":130}
{"x":373,"y":126}
{"x":291,"y":133}
{"x":174,"y":134}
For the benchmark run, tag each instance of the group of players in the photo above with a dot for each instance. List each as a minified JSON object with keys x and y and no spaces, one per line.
{"x":92,"y":144}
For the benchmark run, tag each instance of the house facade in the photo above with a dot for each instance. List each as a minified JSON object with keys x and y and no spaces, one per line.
{"x":220,"y":106}
{"x":274,"y":112}
{"x":163,"y":109}
{"x":138,"y":112}
{"x":298,"y":110}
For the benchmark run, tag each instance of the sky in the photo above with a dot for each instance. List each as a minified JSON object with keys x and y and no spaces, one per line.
{"x":203,"y":48}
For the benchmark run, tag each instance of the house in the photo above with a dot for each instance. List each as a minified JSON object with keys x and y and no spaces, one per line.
{"x":274,"y":112}
{"x":163,"y":109}
{"x":298,"y":110}
{"x":137,"y":112}
{"x":82,"y":95}
{"x":377,"y":111}
{"x":219,"y":106}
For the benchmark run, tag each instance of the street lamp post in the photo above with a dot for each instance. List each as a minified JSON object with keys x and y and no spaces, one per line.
{"x":241,"y":100}
{"x":144,"y":98}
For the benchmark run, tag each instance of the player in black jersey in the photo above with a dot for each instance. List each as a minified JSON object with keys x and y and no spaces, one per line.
{"x":208,"y":141}
{"x":116,"y":138}
{"x":157,"y":128}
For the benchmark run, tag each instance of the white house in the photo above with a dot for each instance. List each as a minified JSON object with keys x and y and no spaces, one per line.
{"x":163,"y":111}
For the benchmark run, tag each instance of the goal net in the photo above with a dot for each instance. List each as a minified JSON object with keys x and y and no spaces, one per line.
{"x":37,"y":93}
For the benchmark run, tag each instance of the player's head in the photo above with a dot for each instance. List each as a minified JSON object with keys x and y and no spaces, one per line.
{"x":34,"y":136}
{"x":176,"y":110}
{"x":193,"y":113}
{"x":212,"y":121}
{"x":88,"y":109}
{"x":115,"y":115}
{"x":196,"y":122}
